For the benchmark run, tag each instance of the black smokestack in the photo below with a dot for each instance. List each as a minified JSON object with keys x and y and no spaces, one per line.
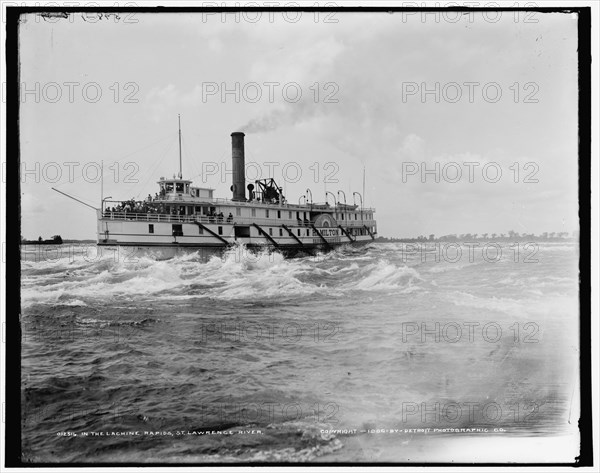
{"x":239,"y":166}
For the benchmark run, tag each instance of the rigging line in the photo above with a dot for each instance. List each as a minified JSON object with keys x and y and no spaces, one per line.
{"x":184,"y":152}
{"x":136,"y":186}
{"x":156,"y":163}
{"x":159,"y":159}
{"x":81,"y":199}
{"x":192,"y":162}
{"x":146,"y":147}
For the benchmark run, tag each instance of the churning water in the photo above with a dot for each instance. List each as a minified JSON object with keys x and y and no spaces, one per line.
{"x":362,"y":354}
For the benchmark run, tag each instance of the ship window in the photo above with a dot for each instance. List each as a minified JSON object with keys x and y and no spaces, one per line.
{"x":298,"y":215}
{"x":355,"y":216}
{"x":150,"y":228}
{"x":220,"y":230}
{"x":254,"y":212}
{"x":280,"y":232}
{"x":267,"y":213}
{"x":243,"y":232}
{"x":271,"y":231}
{"x":179,"y":187}
{"x":200,"y":230}
{"x":238,"y":212}
{"x":307,"y":232}
{"x":342,"y":216}
{"x":298,"y":232}
{"x":290,"y":217}
{"x":177,"y":229}
{"x":279,"y":214}
{"x":198,"y":209}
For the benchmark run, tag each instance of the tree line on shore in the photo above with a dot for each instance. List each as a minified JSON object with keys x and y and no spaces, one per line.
{"x":511,"y":235}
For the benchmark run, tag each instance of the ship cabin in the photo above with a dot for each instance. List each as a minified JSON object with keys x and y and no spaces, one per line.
{"x":174,"y":188}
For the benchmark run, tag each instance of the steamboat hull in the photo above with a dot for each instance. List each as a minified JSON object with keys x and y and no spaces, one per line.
{"x":168,"y":234}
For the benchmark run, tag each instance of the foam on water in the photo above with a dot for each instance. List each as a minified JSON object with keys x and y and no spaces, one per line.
{"x":237,"y":274}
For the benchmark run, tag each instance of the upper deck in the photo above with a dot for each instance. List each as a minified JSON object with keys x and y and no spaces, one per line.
{"x":179,"y":197}
{"x":186,"y":208}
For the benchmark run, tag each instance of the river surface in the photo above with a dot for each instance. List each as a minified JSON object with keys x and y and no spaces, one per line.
{"x":380,"y":353}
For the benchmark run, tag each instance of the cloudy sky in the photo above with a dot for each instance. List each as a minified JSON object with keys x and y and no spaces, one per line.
{"x":486,"y":104}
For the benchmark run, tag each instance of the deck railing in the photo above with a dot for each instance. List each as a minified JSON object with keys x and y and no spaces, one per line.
{"x":171,"y":218}
{"x":253,"y":203}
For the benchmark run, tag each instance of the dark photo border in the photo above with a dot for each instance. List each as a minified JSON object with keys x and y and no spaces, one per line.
{"x":12,"y":224}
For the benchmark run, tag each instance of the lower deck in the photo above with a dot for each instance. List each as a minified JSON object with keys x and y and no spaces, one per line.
{"x":139,"y":229}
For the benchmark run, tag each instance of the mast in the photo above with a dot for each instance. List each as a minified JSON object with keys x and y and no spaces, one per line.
{"x":180,"y":174}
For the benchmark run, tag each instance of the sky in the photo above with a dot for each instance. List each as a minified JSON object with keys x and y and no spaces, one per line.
{"x":461,"y":124}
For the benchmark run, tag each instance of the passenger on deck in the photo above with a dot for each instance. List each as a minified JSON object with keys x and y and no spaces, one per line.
{"x":230,"y":217}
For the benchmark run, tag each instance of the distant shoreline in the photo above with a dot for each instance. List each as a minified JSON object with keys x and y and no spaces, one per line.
{"x":35,"y":242}
{"x":528,"y":238}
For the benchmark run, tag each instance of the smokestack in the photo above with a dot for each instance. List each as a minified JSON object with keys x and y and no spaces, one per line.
{"x":239,"y":166}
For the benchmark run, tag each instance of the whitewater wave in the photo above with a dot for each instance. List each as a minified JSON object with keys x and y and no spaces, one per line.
{"x":237,"y":274}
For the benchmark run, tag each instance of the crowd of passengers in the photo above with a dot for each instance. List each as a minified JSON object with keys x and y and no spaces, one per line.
{"x":146,"y":207}
{"x":142,"y":207}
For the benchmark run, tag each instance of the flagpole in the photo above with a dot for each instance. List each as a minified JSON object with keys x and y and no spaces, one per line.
{"x":180,"y":174}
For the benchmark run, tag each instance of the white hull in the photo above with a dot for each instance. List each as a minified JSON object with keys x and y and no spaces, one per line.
{"x":154,"y":231}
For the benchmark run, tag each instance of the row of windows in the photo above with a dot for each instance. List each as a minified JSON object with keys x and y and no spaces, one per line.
{"x":299,"y":215}
{"x":281,"y":232}
{"x":200,"y":210}
{"x":177,"y":230}
{"x":303,"y":215}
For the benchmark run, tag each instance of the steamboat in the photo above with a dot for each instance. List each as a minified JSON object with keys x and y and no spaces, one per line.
{"x":257,"y":215}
